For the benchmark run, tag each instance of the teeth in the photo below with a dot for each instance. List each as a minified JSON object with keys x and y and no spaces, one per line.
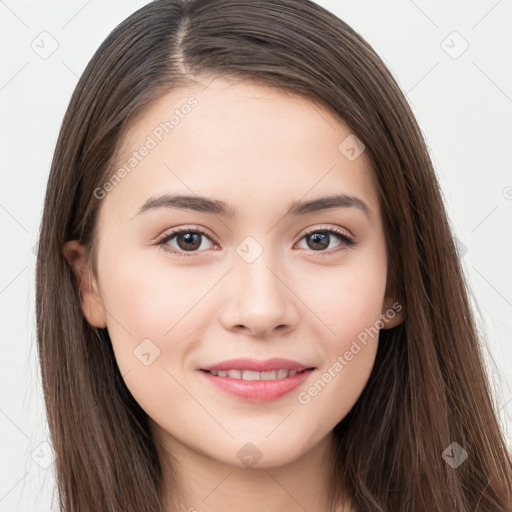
{"x":251,"y":375}
{"x":254,"y":375}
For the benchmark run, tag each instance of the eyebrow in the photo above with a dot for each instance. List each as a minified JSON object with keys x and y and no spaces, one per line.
{"x":217,"y":207}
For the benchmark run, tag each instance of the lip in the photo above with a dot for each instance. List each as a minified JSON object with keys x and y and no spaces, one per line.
{"x":275,"y":363}
{"x":258,"y":390}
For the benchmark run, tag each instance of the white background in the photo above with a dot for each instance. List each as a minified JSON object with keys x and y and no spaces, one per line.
{"x":463,"y":106}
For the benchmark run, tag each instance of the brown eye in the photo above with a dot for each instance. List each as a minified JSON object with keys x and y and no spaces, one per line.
{"x":187,"y":240}
{"x":320,"y":239}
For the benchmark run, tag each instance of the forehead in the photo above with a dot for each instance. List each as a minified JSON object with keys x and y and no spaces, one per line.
{"x":246,"y":144}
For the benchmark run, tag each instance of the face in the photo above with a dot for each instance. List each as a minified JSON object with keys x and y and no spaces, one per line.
{"x":261,"y":269}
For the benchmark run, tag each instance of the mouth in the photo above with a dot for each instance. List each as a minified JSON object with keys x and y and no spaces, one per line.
{"x":247,"y":364}
{"x":257,"y":381}
{"x":252,"y":375}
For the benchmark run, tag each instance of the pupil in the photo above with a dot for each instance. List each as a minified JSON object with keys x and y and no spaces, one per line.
{"x":188,"y":237}
{"x":317,"y":242}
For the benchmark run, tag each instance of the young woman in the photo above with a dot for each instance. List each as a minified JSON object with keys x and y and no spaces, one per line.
{"x":248,"y":294}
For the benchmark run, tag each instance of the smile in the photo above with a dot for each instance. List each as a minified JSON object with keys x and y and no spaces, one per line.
{"x":254,"y":386}
{"x":255,"y":375}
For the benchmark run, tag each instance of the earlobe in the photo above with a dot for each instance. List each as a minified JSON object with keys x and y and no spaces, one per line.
{"x":91,"y":302}
{"x":393,"y":313}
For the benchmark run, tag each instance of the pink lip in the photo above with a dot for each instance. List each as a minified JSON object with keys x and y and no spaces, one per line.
{"x":275,"y":363}
{"x":258,"y":390}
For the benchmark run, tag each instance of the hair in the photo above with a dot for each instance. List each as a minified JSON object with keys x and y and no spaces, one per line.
{"x":428,"y":387}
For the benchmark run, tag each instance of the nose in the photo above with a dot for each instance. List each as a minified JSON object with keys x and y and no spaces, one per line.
{"x":260,"y":301}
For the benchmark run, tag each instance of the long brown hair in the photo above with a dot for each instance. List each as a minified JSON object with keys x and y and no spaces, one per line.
{"x":428,"y":388}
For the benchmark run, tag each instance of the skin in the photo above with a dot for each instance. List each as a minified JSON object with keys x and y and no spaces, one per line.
{"x":258,"y":150}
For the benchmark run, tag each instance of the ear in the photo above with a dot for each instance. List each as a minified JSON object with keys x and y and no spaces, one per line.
{"x":92,"y":304}
{"x":393,"y":312}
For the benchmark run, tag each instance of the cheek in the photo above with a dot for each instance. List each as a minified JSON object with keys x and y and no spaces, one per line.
{"x":347,"y":299}
{"x":151,"y":323}
{"x":140,"y":306}
{"x":347,"y":362}
{"x":359,"y":305}
{"x":154,"y":309}
{"x":349,"y":303}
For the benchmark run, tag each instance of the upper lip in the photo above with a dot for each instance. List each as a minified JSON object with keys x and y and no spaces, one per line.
{"x":275,"y":363}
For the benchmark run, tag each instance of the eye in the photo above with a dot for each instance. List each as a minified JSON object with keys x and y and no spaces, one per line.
{"x":320,"y":239}
{"x":188,"y":240}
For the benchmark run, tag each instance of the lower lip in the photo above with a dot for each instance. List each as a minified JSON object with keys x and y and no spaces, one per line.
{"x":258,"y":390}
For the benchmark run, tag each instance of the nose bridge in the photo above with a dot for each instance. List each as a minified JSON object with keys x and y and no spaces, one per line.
{"x":260,"y":302}
{"x":255,"y":267}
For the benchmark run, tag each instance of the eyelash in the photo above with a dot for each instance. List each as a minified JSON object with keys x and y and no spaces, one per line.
{"x":162,"y":242}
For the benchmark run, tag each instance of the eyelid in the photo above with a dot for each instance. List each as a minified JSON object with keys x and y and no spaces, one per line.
{"x":330,"y":227}
{"x":345,"y":235}
{"x":163,"y":239}
{"x":186,"y":228}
